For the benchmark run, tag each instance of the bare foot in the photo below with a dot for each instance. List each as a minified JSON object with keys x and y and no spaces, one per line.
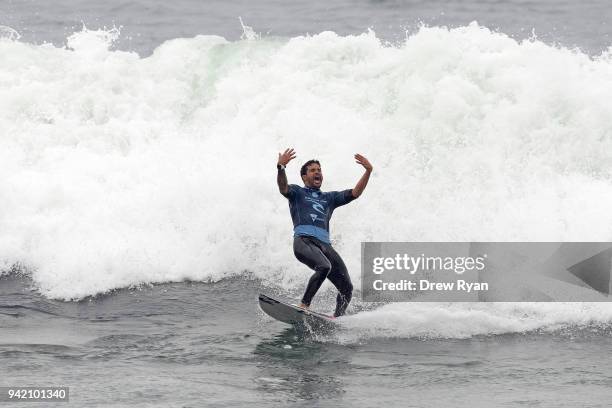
{"x":303,"y":306}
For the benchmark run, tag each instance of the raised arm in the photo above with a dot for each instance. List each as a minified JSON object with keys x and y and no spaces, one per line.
{"x":363,"y":181}
{"x":281,"y":177}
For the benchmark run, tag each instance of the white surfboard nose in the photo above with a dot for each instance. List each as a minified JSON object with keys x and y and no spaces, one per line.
{"x":294,"y":315}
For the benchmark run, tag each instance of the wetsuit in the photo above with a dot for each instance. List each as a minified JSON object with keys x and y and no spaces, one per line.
{"x":311,"y":210}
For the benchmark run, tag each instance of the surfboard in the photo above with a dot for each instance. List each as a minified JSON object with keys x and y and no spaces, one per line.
{"x":294,"y":315}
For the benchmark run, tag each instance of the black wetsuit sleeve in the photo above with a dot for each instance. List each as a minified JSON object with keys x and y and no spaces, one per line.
{"x":291,"y":192}
{"x":343,"y":197}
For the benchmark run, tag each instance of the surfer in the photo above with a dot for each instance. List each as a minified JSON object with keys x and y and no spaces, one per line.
{"x":311,"y":210}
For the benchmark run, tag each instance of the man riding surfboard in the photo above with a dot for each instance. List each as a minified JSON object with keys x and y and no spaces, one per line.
{"x":311,"y":209}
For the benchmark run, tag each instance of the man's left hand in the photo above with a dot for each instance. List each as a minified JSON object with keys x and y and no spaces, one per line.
{"x":364,"y":162}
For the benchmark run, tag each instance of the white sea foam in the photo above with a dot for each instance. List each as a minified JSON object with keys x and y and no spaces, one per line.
{"x":463,"y":320}
{"x":117,"y":170}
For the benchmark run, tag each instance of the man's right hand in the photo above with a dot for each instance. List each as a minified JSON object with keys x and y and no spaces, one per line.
{"x":286,"y":157}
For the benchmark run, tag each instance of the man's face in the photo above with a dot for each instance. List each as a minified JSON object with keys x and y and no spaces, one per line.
{"x":313,"y":177}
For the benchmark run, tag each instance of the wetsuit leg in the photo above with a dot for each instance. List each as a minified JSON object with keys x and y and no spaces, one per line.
{"x":309,"y":253}
{"x":340,"y":278}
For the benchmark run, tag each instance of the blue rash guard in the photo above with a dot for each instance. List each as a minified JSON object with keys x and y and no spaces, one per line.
{"x":311,"y":209}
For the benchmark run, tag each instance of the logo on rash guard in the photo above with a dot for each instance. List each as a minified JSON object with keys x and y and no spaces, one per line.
{"x":318,"y":208}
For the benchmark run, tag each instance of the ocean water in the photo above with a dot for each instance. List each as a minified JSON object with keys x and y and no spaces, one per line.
{"x":140,"y":218}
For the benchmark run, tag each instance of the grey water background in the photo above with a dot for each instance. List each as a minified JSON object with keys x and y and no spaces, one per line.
{"x":201,"y":344}
{"x":195,"y":344}
{"x":147,"y":23}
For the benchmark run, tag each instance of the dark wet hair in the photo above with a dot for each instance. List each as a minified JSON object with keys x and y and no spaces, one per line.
{"x":304,"y":168}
